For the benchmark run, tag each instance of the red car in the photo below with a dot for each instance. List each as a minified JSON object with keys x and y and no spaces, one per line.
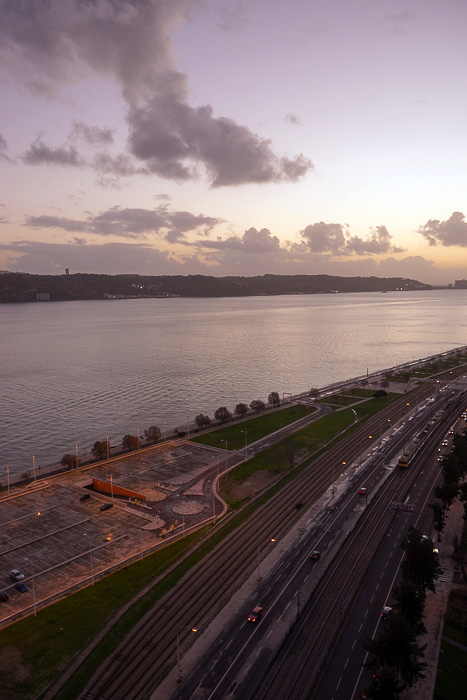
{"x":255,"y":614}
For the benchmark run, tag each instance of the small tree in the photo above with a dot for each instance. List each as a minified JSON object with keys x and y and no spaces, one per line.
{"x":223,"y":414}
{"x":410,"y":603}
{"x":291,"y":450}
{"x":241,"y":409}
{"x":379,"y":393}
{"x":385,"y":685}
{"x":314,"y":393}
{"x":99,"y":449}
{"x":130,"y":442}
{"x":274,"y":399}
{"x":153,"y":433}
{"x":257,"y":405}
{"x":202,"y":420}
{"x":70,"y":461}
{"x":420,"y":564}
{"x":397,"y":648}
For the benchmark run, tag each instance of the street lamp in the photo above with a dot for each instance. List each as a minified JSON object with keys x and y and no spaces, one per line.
{"x":226,"y":451}
{"x":246,"y":442}
{"x":212,"y":494}
{"x":76,"y":447}
{"x":34,"y":466}
{"x":8,"y":478}
{"x":108,"y":447}
{"x":33,"y":587}
{"x":193,"y":629}
{"x":90,"y":554}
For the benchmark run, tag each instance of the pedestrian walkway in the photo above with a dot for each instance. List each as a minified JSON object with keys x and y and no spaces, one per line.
{"x":454,"y":643}
{"x":447,"y":576}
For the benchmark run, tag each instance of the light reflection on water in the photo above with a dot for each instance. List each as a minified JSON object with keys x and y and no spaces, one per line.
{"x":78,"y":371}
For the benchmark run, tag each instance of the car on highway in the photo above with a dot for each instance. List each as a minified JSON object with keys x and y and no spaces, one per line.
{"x":445,"y":443}
{"x":106,"y":506}
{"x":16,"y":575}
{"x":21,"y":587}
{"x":3,"y":597}
{"x":315,"y":554}
{"x":255,"y":614}
{"x":386,"y":613}
{"x":362,"y":490}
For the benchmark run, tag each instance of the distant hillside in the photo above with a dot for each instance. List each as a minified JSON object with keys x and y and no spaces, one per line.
{"x":18,"y":286}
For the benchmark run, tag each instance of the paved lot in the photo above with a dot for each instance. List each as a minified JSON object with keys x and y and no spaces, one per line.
{"x":59,"y":542}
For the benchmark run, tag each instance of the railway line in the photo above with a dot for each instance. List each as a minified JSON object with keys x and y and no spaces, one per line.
{"x":296,"y":670}
{"x":150,"y":650}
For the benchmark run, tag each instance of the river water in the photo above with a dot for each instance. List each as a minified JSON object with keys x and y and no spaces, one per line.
{"x":75,"y":372}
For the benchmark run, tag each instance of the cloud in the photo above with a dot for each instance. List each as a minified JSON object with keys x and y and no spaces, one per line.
{"x":91,"y":134}
{"x":106,"y":258}
{"x":39,"y":153}
{"x":130,"y":223}
{"x":56,"y":222}
{"x":378,"y":243}
{"x":3,"y":149}
{"x":336,"y":240}
{"x":252,"y":242}
{"x":447,"y":233}
{"x":172,"y":138}
{"x":50,"y":43}
{"x":292,"y":119}
{"x":324,"y":238}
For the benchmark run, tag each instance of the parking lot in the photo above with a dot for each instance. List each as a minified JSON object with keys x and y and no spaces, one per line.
{"x":61,"y":542}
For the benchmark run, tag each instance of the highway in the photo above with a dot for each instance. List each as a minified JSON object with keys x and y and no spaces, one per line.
{"x":306,"y":603}
{"x":150,"y":650}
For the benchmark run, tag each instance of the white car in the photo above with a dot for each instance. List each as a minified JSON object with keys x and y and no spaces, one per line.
{"x":16,"y":575}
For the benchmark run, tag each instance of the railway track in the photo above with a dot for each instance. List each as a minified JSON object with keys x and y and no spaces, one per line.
{"x":150,"y":649}
{"x":295,"y":673}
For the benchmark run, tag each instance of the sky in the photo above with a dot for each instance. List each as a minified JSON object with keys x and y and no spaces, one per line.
{"x":234,"y":137}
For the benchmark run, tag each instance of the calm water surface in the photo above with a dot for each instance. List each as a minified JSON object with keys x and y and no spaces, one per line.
{"x":78,"y":371}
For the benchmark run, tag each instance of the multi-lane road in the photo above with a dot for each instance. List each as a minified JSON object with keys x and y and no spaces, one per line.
{"x":146,"y":654}
{"x":306,"y":602}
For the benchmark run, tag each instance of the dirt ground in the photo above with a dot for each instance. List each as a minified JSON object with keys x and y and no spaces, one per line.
{"x":254,"y":483}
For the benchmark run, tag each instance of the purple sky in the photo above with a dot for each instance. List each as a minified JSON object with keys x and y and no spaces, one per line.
{"x":234,"y":137}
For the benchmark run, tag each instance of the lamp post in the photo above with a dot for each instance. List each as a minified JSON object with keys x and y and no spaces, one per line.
{"x":111,"y":486}
{"x":33,"y":586}
{"x":90,"y":555}
{"x":108,"y":448}
{"x":193,"y":629}
{"x":226,"y":451}
{"x":34,"y":466}
{"x":246,"y":442}
{"x":137,"y":438}
{"x":212,"y":494}
{"x":8,"y":478}
{"x":76,"y":448}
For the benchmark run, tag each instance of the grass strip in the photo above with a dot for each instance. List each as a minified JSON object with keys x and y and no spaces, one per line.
{"x":36,"y":649}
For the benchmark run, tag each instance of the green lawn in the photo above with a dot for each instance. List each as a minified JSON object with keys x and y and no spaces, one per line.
{"x":452,"y":672}
{"x":237,"y":433}
{"x":35,"y":649}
